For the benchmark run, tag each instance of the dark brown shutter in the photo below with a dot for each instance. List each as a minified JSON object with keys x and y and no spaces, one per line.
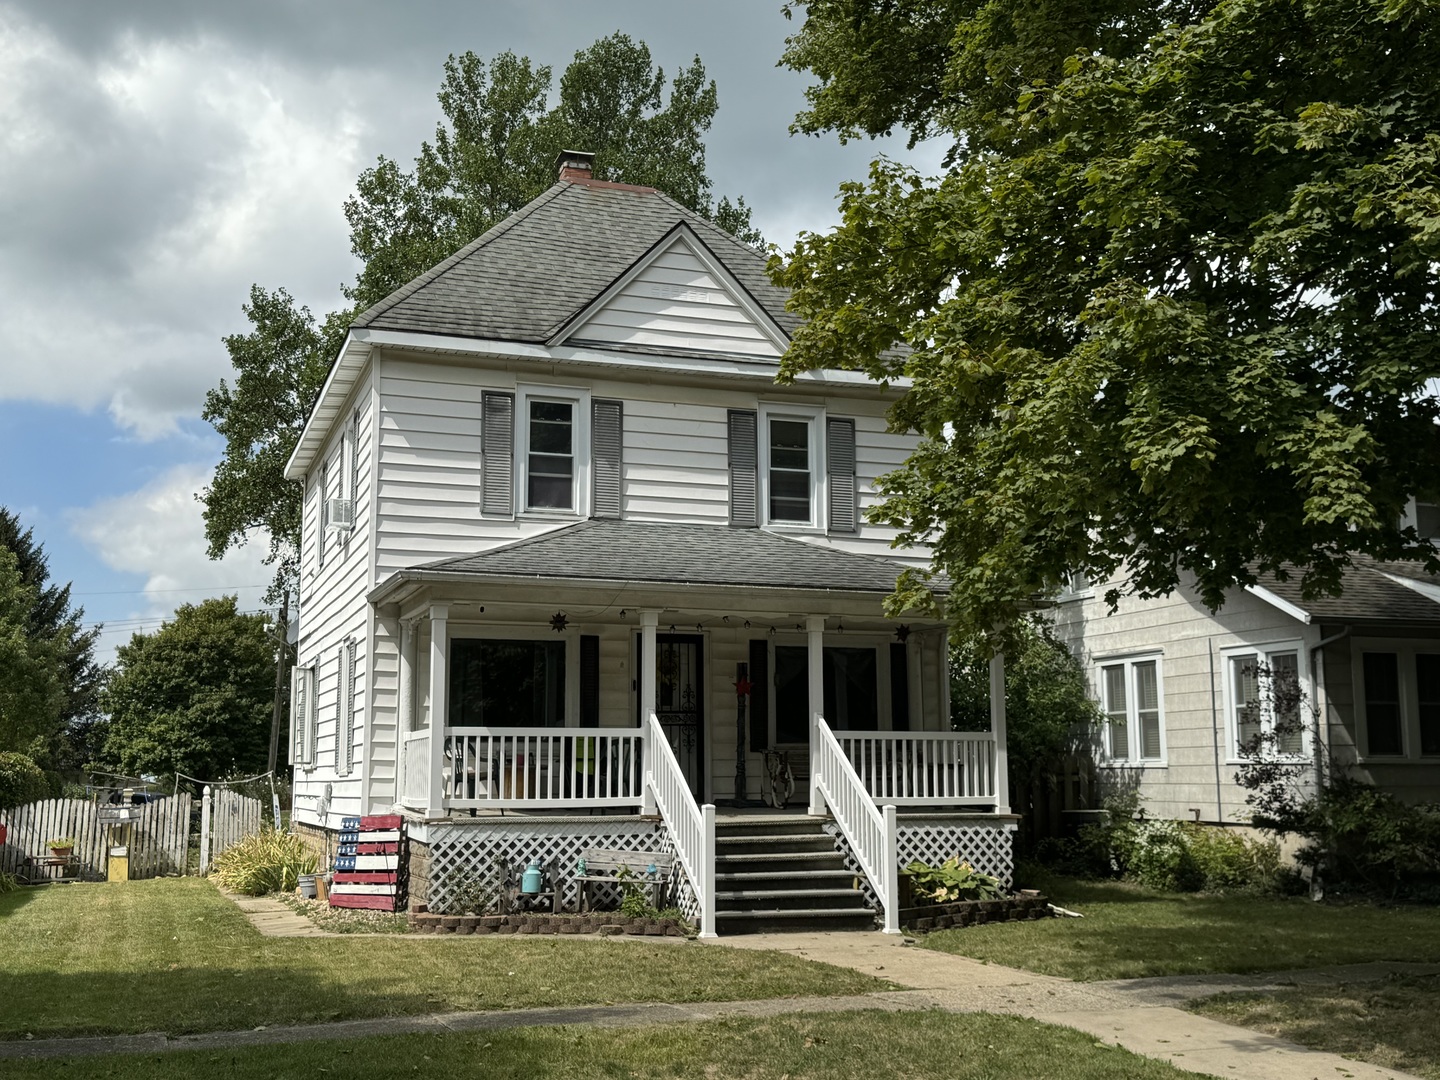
{"x":840,"y":465}
{"x":744,"y":479}
{"x":899,"y":687}
{"x":589,"y":680}
{"x":497,"y":454}
{"x":607,"y":423}
{"x":759,"y":718}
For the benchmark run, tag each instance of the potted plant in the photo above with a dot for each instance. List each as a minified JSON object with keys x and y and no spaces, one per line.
{"x":61,"y":846}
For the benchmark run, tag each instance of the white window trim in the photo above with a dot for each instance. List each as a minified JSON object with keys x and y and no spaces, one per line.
{"x":579,"y":398}
{"x":1267,"y":723}
{"x":1067,"y":593}
{"x":1132,"y":720}
{"x":814,"y":415}
{"x":501,"y":632}
{"x":1405,"y":650}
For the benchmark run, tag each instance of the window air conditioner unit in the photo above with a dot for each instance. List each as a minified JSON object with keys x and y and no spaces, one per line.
{"x":340,"y":514}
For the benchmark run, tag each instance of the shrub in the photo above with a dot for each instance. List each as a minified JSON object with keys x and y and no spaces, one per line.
{"x":1230,"y":861}
{"x":1162,"y":859}
{"x":466,"y":894}
{"x":21,"y":780}
{"x":953,"y":880}
{"x":267,"y":862}
{"x":8,"y":883}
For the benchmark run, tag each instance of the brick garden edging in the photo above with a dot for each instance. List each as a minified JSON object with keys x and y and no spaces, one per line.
{"x":606,"y":924}
{"x":975,"y":912}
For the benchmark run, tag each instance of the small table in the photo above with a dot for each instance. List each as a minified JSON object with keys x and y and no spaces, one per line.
{"x":69,"y":867}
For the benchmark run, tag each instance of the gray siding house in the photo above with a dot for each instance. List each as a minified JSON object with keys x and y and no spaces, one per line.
{"x":577,"y":572}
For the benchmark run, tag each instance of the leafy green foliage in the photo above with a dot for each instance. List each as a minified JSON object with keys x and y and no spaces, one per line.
{"x":468,"y":893}
{"x":21,"y":780}
{"x":1048,"y":710}
{"x":195,"y":696}
{"x":49,"y":680}
{"x":267,"y":862}
{"x":953,"y":880}
{"x":1173,"y":307}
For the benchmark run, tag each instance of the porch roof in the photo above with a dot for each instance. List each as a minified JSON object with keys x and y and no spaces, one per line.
{"x":672,"y":554}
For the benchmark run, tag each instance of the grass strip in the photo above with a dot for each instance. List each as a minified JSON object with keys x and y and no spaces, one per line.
{"x":1131,"y":932}
{"x":833,"y":1046}
{"x":1392,"y":1023}
{"x":173,"y":955}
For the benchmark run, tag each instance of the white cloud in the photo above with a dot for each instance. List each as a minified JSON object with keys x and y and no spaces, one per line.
{"x":157,"y":532}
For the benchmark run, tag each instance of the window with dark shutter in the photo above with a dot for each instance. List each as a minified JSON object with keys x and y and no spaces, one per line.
{"x":759,"y":696}
{"x":607,"y":425}
{"x":899,"y":687}
{"x":744,"y":486}
{"x":497,"y":454}
{"x":840,"y":460}
{"x":589,"y":680}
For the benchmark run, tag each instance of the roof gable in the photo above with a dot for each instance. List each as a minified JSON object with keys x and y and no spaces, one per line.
{"x":678,"y":296}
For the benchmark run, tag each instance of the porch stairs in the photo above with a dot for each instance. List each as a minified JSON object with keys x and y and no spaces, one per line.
{"x":778,"y":873}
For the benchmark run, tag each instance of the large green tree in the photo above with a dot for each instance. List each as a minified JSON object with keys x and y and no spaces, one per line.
{"x":49,"y":679}
{"x":194,"y":696}
{"x":493,"y":152}
{"x":1173,"y":304}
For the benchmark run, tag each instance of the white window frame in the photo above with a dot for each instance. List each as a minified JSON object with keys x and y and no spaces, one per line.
{"x":1071,"y":589}
{"x":814,"y":416}
{"x":1405,"y":650}
{"x":578,"y":398}
{"x":1135,"y":740}
{"x":1262,"y":653}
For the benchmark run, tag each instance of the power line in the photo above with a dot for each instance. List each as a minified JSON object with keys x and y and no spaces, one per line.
{"x":142,"y":592}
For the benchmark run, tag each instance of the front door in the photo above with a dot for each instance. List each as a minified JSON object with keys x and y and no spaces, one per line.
{"x":680,"y":701}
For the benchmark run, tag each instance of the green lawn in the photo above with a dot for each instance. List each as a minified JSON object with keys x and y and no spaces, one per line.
{"x":834,"y":1046}
{"x":1130,"y":932}
{"x":1391,"y":1023}
{"x":174,"y":955}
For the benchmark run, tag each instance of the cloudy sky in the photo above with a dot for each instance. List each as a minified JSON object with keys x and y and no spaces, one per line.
{"x":159,"y":156}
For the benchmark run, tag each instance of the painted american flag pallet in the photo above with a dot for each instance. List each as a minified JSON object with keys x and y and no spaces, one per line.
{"x":372,"y":868}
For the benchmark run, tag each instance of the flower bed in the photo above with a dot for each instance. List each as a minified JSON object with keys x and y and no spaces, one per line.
{"x":606,"y":924}
{"x":1026,"y":905}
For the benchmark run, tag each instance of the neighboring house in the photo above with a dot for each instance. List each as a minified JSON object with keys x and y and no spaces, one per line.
{"x":556,"y":509}
{"x":1186,"y":691}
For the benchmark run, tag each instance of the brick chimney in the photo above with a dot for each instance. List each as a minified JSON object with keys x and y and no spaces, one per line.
{"x":575,"y":164}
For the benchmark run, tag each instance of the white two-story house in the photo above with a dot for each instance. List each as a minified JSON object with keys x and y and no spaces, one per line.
{"x":574,"y":565}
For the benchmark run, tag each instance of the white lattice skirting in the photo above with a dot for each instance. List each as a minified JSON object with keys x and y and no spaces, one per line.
{"x":988,"y":846}
{"x":471,"y":849}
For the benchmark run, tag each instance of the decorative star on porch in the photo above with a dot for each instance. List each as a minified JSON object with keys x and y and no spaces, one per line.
{"x":742,"y":688}
{"x":902,"y":633}
{"x":558,"y":621}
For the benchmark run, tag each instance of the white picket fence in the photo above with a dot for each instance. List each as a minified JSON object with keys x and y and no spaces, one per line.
{"x":159,"y":835}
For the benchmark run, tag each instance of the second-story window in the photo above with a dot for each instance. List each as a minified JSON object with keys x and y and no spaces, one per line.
{"x":550,"y":459}
{"x":790,"y":470}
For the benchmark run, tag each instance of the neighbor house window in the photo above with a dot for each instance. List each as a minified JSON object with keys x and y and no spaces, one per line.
{"x":1130,"y":696}
{"x":498,"y":683}
{"x":791,"y":471}
{"x":1399,"y":698}
{"x":1264,"y":701}
{"x":550,"y":456}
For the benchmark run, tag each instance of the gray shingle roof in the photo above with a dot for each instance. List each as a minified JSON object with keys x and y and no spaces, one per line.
{"x":1367,"y":594}
{"x":526,"y":277}
{"x":679,"y":554}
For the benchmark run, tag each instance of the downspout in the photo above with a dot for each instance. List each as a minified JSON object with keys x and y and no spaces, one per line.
{"x":1215,"y":735}
{"x":1322,"y":709}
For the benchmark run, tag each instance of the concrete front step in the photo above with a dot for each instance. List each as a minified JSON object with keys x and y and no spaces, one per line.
{"x":776,"y":920}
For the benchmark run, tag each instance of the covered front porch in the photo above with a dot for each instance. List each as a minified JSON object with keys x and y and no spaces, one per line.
{"x":552,"y":695}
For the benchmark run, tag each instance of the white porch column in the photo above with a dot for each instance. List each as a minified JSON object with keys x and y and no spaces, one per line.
{"x":407,"y":679}
{"x":649,"y":623}
{"x":439,"y":684}
{"x":815,"y":631}
{"x":997,"y":729}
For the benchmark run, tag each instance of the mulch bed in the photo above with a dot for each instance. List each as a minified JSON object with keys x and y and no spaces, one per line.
{"x":606,"y":924}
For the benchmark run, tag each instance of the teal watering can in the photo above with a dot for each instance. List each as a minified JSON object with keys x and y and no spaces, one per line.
{"x":530,"y":880}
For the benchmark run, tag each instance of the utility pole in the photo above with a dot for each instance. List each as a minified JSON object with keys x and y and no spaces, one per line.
{"x":282,"y":649}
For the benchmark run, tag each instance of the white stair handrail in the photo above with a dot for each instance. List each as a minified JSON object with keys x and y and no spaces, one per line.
{"x":692,"y":827}
{"x":872,"y":832}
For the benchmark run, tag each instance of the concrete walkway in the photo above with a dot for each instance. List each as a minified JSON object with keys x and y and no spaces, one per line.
{"x":274,"y":919}
{"x":1139,"y":1015}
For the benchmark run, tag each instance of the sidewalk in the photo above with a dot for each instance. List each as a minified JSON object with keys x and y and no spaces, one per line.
{"x":1139,"y":1015}
{"x":274,"y":919}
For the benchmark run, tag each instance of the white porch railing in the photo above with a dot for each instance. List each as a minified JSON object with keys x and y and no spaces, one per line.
{"x":692,"y":827}
{"x":872,"y":832}
{"x":415,"y":783}
{"x":541,"y":768}
{"x":923,"y":768}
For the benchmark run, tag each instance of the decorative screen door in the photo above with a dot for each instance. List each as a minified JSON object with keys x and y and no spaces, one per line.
{"x":679,"y":701}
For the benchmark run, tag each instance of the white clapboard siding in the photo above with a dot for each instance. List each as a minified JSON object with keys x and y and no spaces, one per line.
{"x":676,"y":302}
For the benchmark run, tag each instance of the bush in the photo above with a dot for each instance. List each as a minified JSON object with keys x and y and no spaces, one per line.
{"x":267,"y":862}
{"x":21,"y":780}
{"x":953,"y":880}
{"x":1162,"y":859}
{"x":8,"y":883}
{"x":466,"y":893}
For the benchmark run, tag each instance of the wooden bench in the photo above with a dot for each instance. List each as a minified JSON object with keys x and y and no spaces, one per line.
{"x":605,"y":865}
